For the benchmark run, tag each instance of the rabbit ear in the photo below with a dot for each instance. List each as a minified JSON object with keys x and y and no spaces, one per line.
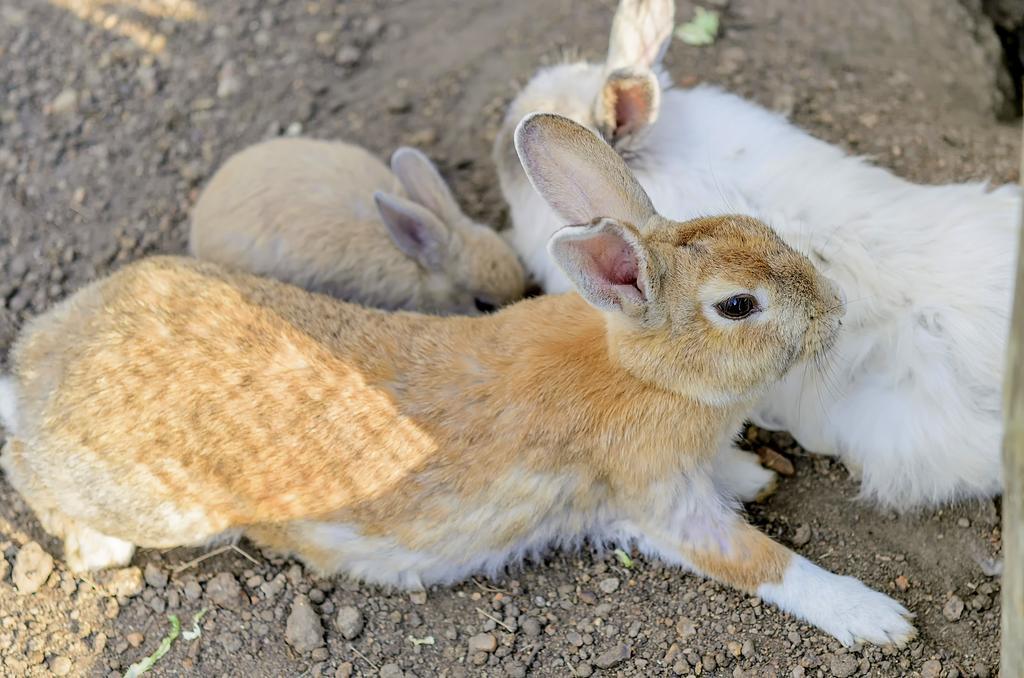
{"x":631,"y":95}
{"x":608,"y":263}
{"x":628,"y":102}
{"x":424,"y":184}
{"x":415,"y":230}
{"x":578,"y":174}
{"x":641,"y":33}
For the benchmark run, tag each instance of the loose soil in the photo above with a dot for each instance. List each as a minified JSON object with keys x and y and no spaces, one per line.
{"x":112,"y":115}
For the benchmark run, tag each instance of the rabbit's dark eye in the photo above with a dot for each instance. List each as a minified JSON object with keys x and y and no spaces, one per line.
{"x":483,"y":306}
{"x":737,"y":307}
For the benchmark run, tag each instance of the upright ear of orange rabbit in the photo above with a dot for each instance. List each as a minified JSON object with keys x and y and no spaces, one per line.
{"x":177,"y":402}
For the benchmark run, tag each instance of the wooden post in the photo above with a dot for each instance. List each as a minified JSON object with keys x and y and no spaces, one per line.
{"x":1012,"y":646}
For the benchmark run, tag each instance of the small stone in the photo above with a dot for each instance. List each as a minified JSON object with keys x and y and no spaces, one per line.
{"x":320,"y":654}
{"x":685,"y":628}
{"x":981,"y":671}
{"x":418,"y":597}
{"x":869,"y":120}
{"x":303,"y":630}
{"x":531,"y":627}
{"x":483,"y":642}
{"x":981,"y":602}
{"x":843,"y":666}
{"x":734,"y":648}
{"x":348,"y":56}
{"x":60,"y":666}
{"x":902,"y":583}
{"x":228,"y":81}
{"x":135,"y":638}
{"x":748,"y":648}
{"x":584,"y":670}
{"x":953,"y":608}
{"x":373,"y":25}
{"x":65,"y":102}
{"x":798,"y":672}
{"x":230,"y":642}
{"x":350,"y":622}
{"x":193,"y":591}
{"x":99,"y":642}
{"x":609,"y":585}
{"x":931,"y":669}
{"x":423,"y":137}
{"x":399,"y":103}
{"x":155,"y":576}
{"x":613,"y":657}
{"x":32,"y":567}
{"x":224,"y":591}
{"x":515,"y":670}
{"x":802,"y":536}
{"x":390,"y":670}
{"x":963,"y":522}
{"x":344,"y":670}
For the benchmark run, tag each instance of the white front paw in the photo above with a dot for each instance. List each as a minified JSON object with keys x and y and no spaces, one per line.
{"x":741,"y":475}
{"x":841,"y":606}
{"x":86,"y":550}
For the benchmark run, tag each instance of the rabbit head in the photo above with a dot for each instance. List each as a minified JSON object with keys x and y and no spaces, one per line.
{"x":471,"y":268}
{"x":618,"y":98}
{"x":715,"y":308}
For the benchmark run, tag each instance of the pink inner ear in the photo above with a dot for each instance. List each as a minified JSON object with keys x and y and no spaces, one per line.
{"x":613,"y":263}
{"x":632,"y":107}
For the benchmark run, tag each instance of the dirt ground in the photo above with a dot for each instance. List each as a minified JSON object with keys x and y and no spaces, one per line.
{"x":112,"y":114}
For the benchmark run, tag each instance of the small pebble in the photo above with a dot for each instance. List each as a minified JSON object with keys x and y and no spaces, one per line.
{"x":953,"y":608}
{"x":802,"y":536}
{"x":126,"y":582}
{"x":483,"y":642}
{"x":303,"y":630}
{"x":843,"y":666}
{"x":350,"y":622}
{"x":224,"y":591}
{"x":613,"y":656}
{"x":155,"y":576}
{"x":60,"y":666}
{"x":348,"y":55}
{"x":32,"y":567}
{"x":931,"y":669}
{"x":609,"y":585}
{"x":531,"y":627}
{"x":391,"y":670}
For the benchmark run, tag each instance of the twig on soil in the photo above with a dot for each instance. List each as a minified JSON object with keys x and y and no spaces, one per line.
{"x":376,"y":667}
{"x":496,"y":621}
{"x":488,"y":589}
{"x":212,"y":554}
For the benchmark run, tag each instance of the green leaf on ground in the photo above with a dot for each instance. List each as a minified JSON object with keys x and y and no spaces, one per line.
{"x":701,"y":30}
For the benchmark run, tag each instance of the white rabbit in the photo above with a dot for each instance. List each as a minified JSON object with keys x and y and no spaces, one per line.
{"x":330,"y":217}
{"x":911,"y":395}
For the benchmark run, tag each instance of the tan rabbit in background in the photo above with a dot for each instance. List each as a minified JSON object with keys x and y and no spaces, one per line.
{"x":330,"y":217}
{"x":177,"y":402}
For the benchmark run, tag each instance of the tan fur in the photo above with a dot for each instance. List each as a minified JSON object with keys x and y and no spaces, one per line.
{"x":176,"y":401}
{"x":303,"y":211}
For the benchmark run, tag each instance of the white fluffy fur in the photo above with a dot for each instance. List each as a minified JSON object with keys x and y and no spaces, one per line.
{"x":8,"y":404}
{"x":911,"y":395}
{"x":842,"y":606}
